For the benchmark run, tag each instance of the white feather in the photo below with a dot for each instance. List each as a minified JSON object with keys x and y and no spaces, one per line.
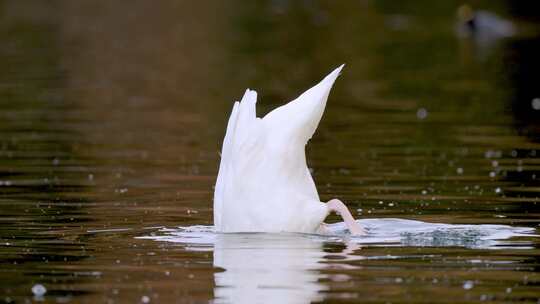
{"x":263,"y":183}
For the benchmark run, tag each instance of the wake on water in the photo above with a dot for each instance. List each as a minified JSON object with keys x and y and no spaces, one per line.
{"x":381,"y":232}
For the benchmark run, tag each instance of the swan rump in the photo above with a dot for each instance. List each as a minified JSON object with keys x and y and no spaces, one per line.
{"x":264,"y":184}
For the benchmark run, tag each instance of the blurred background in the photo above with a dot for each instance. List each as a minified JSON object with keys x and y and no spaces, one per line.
{"x":112,"y":115}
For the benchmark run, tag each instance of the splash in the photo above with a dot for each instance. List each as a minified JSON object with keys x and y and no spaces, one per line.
{"x":289,"y":267}
{"x":381,"y":232}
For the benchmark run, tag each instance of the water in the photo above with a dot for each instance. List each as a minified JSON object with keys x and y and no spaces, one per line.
{"x":287,"y":268}
{"x":111,"y":122}
{"x":381,"y":232}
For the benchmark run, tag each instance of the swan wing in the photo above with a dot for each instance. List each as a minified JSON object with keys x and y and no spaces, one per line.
{"x":248,"y":133}
{"x":240,"y":148}
{"x":223,"y":165}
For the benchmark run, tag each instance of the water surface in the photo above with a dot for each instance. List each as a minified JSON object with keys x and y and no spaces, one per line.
{"x":112,"y":115}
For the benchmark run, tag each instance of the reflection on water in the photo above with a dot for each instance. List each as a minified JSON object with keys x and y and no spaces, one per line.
{"x":111,"y":118}
{"x":273,"y":269}
{"x":286,"y":268}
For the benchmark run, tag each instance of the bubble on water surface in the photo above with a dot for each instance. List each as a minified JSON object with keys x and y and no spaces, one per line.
{"x":493,"y":154}
{"x":535,"y":103}
{"x":5,"y":183}
{"x":421,"y":113}
{"x":39,"y":290}
{"x":468,"y":285}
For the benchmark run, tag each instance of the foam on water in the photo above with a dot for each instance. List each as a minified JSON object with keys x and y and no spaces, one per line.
{"x":381,"y":232}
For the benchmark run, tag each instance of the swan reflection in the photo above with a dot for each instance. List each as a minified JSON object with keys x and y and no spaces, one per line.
{"x":268,"y":268}
{"x":288,"y":268}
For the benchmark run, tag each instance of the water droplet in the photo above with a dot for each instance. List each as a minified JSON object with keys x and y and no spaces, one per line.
{"x":340,"y":278}
{"x":381,"y":202}
{"x":39,"y":290}
{"x":344,"y":171}
{"x":493,"y":154}
{"x":421,"y":113}
{"x":121,"y":191}
{"x":459,"y":170}
{"x":145,"y":299}
{"x":492,"y":174}
{"x":498,"y":190}
{"x":424,"y":192}
{"x":535,"y":103}
{"x":468,"y":285}
{"x":508,"y":290}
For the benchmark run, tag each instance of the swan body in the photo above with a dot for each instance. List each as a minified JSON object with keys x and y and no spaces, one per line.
{"x":264,"y":184}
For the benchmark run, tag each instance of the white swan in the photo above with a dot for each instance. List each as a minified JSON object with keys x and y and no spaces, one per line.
{"x":264,"y":184}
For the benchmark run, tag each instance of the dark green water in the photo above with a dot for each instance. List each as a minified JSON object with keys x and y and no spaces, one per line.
{"x":112,"y":116}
